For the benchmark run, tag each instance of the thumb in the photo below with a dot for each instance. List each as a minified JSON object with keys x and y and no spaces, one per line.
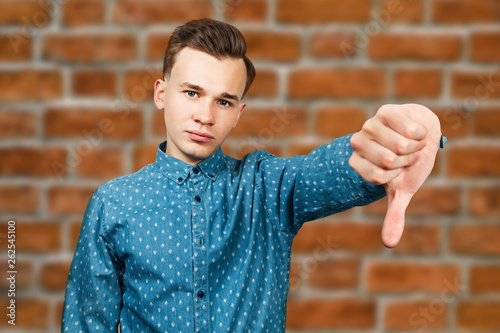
{"x":394,"y":221}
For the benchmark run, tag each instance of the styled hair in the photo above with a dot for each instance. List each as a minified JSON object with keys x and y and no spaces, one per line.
{"x":218,"y":39}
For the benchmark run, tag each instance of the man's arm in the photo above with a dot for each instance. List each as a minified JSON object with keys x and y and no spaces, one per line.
{"x":93,"y":297}
{"x":303,"y":188}
{"x":397,"y":148}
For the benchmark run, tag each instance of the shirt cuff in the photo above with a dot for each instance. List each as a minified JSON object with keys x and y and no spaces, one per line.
{"x":442,"y":141}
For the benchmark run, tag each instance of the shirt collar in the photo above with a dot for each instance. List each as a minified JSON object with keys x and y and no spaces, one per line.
{"x":179,"y":171}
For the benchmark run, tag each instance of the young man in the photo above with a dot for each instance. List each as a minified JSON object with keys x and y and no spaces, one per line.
{"x":199,"y":241}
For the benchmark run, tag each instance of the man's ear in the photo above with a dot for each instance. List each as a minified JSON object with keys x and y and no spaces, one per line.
{"x":159,"y":93}
{"x":242,"y":107}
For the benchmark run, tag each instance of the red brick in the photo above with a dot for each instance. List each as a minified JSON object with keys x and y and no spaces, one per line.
{"x":138,"y":84}
{"x":266,"y":124}
{"x":485,"y":46}
{"x":18,"y":199}
{"x":429,"y":200}
{"x":16,"y":124}
{"x":398,"y":46}
{"x":23,"y":281}
{"x":411,"y":315}
{"x":90,"y":48}
{"x":94,"y":83}
{"x":475,"y":239}
{"x":157,"y":124}
{"x":265,"y":84}
{"x":322,"y":11}
{"x":336,"y":44}
{"x":484,"y":279}
{"x":475,"y":86}
{"x":316,"y":83}
{"x":94,"y":124}
{"x":30,"y":84}
{"x":484,"y":201}
{"x":31,"y":313}
{"x":337,"y":121}
{"x":295,"y":277}
{"x":395,"y":11}
{"x":473,"y":161}
{"x":31,"y":161}
{"x":35,"y":13}
{"x":478,"y":315}
{"x":156,"y":45}
{"x":486,"y":122}
{"x":15,"y":47}
{"x":77,"y":13}
{"x":69,"y":199}
{"x":254,"y":11}
{"x":53,"y":275}
{"x":420,"y":239}
{"x":332,"y":273}
{"x":149,"y":12}
{"x":343,"y":236}
{"x":144,"y":154}
{"x":74,"y":232}
{"x":274,"y":46}
{"x":410,"y":277}
{"x":465,"y":11}
{"x":38,"y":236}
{"x":418,"y":82}
{"x":104,"y":163}
{"x":330,"y":314}
{"x":454,"y":121}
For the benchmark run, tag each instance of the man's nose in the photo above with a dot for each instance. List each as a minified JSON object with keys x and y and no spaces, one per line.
{"x":205,"y":114}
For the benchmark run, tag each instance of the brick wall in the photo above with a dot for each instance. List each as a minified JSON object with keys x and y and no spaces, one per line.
{"x":76,"y":110}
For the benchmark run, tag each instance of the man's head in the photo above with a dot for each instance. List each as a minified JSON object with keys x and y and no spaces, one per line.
{"x":206,"y":74}
{"x":218,"y":39}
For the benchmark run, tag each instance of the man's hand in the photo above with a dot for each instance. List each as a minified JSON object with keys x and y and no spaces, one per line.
{"x":397,"y":148}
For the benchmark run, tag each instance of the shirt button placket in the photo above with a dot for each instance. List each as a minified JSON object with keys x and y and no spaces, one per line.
{"x":200,"y":273}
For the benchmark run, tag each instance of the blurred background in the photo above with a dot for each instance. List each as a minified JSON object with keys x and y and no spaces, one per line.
{"x":76,"y":110}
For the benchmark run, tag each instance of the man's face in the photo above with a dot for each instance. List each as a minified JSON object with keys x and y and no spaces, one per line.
{"x":202,"y":103}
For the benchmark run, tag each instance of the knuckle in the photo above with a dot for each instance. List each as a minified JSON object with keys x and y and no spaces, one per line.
{"x":356,"y":141}
{"x":402,"y":147}
{"x":388,"y":161}
{"x":378,"y":176}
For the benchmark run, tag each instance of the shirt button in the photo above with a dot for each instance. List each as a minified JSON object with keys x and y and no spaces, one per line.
{"x":201,"y":293}
{"x":196,"y":171}
{"x":179,"y":179}
{"x":197,"y":198}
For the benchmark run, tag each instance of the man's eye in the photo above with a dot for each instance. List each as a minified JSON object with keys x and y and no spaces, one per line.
{"x":224,"y":103}
{"x":191,"y":93}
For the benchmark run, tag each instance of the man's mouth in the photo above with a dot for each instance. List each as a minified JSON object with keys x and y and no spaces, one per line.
{"x":200,"y":136}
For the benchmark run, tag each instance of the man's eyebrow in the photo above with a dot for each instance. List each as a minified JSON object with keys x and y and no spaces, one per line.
{"x":225,"y":95}
{"x":191,"y":86}
{"x":229,"y":96}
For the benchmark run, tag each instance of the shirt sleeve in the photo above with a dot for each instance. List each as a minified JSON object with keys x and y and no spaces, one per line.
{"x":93,"y":297}
{"x":303,"y":188}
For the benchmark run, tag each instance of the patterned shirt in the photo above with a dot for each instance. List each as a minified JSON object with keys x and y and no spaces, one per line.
{"x":204,"y":248}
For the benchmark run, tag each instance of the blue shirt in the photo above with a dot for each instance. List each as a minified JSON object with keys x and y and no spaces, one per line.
{"x":204,"y":248}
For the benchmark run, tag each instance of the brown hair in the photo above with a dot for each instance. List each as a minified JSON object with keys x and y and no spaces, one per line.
{"x":219,"y":39}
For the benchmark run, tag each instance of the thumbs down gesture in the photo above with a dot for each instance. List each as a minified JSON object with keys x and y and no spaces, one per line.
{"x":397,"y":148}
